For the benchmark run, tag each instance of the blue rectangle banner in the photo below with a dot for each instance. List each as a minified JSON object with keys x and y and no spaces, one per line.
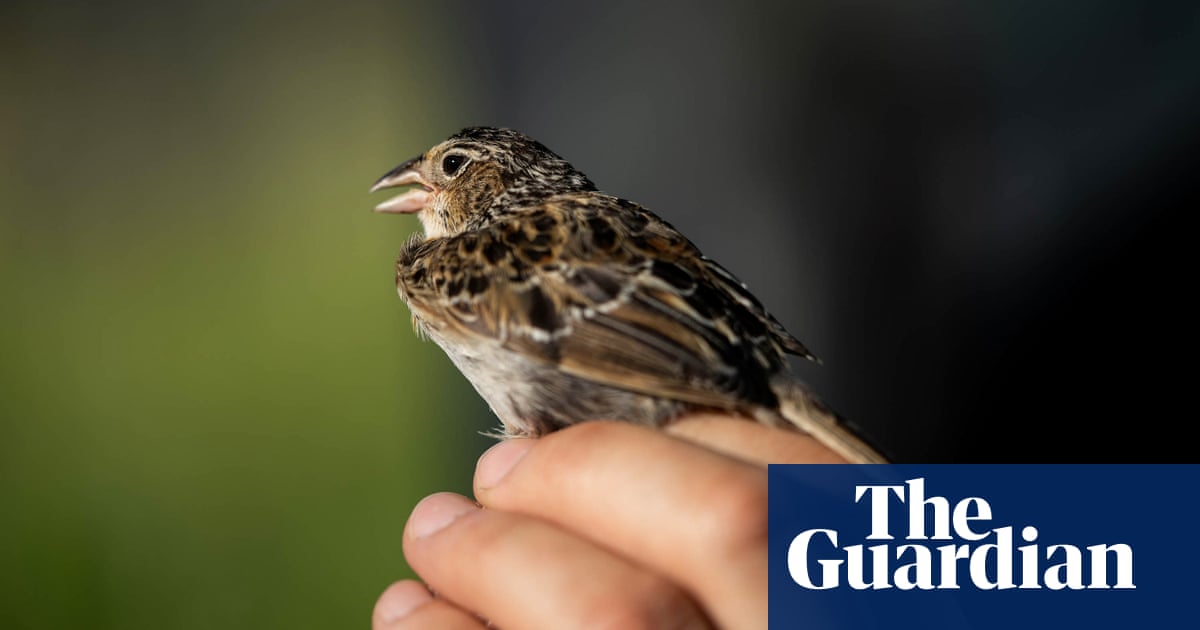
{"x":983,"y":546}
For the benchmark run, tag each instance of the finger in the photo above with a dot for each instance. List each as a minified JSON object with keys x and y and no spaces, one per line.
{"x":521,"y":572}
{"x":694,"y":515}
{"x":753,"y":441}
{"x":409,"y":605}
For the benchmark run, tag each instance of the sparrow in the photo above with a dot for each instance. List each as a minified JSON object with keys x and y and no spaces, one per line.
{"x":562,"y":304}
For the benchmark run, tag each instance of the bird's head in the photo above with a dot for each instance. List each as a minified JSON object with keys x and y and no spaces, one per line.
{"x":474,"y":176}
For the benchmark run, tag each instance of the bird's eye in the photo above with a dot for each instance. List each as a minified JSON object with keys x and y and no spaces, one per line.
{"x":453,"y":162}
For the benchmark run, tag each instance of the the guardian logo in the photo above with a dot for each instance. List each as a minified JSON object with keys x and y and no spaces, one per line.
{"x":949,"y":547}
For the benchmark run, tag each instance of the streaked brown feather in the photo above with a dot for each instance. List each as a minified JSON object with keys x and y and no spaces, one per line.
{"x":643,"y":282}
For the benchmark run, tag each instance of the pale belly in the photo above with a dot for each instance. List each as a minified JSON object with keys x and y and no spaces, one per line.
{"x":533,"y":398}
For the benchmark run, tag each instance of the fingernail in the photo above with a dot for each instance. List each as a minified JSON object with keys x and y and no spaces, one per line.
{"x":497,"y":461}
{"x":436,"y":511}
{"x":401,"y":599}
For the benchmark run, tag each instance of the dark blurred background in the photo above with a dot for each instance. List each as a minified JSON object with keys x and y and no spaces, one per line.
{"x":213,"y":412}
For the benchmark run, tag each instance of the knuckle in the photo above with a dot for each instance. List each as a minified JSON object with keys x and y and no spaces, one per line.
{"x":735,"y":518}
{"x":484,"y":540}
{"x":578,"y":441}
{"x":585,"y":432}
{"x":647,"y":603}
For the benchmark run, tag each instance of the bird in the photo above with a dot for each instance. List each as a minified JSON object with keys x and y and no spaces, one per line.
{"x":562,"y":304}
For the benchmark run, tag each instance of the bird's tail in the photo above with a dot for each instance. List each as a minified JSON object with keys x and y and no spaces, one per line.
{"x":802,"y":409}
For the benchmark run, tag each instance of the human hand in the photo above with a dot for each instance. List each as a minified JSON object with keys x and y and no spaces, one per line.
{"x":605,"y":525}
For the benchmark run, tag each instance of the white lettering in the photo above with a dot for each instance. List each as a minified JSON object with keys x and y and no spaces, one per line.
{"x":797,"y":560}
{"x":916,"y":574}
{"x":1067,"y":574}
{"x":879,"y":508}
{"x":1124,"y":555}
{"x":989,"y":566}
{"x":963,"y":517}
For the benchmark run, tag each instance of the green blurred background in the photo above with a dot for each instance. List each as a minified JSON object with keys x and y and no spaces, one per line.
{"x":213,"y":411}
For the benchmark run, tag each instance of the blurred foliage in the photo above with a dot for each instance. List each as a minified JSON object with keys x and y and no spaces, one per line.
{"x":213,"y":412}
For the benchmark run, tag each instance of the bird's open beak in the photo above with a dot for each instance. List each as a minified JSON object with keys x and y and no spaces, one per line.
{"x":412,"y":200}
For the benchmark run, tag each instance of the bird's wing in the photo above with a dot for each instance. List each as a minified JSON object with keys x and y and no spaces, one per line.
{"x":606,"y":291}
